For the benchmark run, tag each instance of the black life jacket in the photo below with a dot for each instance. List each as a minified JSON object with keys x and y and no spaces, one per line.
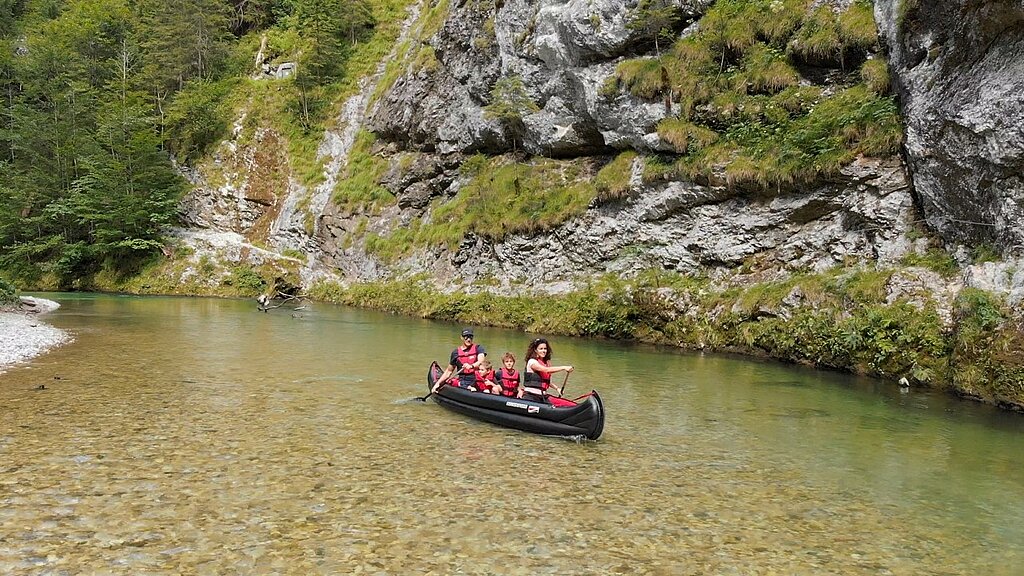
{"x":540,"y":380}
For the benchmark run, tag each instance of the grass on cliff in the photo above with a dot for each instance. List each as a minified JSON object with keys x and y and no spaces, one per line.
{"x":359,"y":188}
{"x":499,"y":197}
{"x":739,"y":109}
{"x":428,"y":24}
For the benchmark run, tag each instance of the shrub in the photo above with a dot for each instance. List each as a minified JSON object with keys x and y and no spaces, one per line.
{"x":875,"y":74}
{"x":198,"y":117}
{"x":247,"y":281}
{"x":8,"y":292}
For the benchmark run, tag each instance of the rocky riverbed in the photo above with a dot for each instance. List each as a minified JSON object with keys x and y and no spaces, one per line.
{"x":24,"y":335}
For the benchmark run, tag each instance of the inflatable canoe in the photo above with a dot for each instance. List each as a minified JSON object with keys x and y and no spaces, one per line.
{"x":582,"y":417}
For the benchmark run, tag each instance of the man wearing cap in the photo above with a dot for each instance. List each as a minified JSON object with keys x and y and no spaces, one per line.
{"x":463,"y":362}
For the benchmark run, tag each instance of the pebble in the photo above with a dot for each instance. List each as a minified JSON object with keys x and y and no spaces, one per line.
{"x":24,"y":336}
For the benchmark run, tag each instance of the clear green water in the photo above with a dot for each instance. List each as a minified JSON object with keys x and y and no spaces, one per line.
{"x":196,"y":436}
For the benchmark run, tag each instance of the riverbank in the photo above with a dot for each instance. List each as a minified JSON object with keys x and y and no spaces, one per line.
{"x":23,"y":334}
{"x":906,"y":325}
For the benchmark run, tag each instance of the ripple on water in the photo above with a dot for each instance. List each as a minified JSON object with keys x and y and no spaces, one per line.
{"x":232,"y":457}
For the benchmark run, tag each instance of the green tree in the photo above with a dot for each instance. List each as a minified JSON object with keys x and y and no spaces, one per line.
{"x":250,"y":15}
{"x":85,"y":181}
{"x":509,"y":104}
{"x":10,"y":12}
{"x":329,"y":28}
{"x":655,"y":20}
{"x":182,"y":39}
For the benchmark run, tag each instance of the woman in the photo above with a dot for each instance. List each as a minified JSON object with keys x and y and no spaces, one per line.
{"x":537,"y":379}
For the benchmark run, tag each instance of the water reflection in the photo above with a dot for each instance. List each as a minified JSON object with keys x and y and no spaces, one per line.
{"x":200,"y":436}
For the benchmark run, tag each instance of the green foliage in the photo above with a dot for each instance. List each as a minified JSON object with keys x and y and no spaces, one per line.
{"x":977,"y":310}
{"x":181,"y":40}
{"x":108,"y":90}
{"x":89,"y":185}
{"x":818,"y":39}
{"x":329,"y":28}
{"x":359,"y":187}
{"x":985,"y":253}
{"x":861,"y":286}
{"x":934,"y":259}
{"x":766,"y":70}
{"x":875,"y":74}
{"x":497,"y":199}
{"x":987,"y":356}
{"x":509,"y":103}
{"x":655,"y":20}
{"x":895,"y":340}
{"x":8,"y":292}
{"x":685,"y":136}
{"x":303,"y":106}
{"x":198,"y":117}
{"x":641,"y":77}
{"x":857,"y":27}
{"x":247,"y":281}
{"x":740,"y":100}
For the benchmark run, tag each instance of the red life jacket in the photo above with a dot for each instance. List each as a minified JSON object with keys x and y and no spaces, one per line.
{"x":466,"y":357}
{"x":482,"y":377}
{"x":509,"y":382}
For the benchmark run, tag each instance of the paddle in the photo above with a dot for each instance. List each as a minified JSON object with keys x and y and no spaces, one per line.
{"x":424,"y":399}
{"x":564,"y":382}
{"x":432,"y":368}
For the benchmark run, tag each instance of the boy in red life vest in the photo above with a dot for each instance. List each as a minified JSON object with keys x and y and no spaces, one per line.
{"x":485,"y":378}
{"x":463,"y":363}
{"x":508,"y":377}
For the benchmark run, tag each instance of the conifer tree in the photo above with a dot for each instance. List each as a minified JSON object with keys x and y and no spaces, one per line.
{"x":655,"y":19}
{"x":509,"y":104}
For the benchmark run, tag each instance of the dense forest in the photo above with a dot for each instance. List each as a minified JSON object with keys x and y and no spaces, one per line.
{"x":102,"y":97}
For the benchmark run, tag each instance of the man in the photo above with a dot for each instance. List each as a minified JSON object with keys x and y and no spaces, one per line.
{"x":463,"y":362}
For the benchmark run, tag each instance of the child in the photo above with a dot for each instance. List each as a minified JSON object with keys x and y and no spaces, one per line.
{"x":508,"y":377}
{"x":485,"y":378}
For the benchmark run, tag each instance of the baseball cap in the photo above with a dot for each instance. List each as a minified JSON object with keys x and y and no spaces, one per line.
{"x":467,"y":332}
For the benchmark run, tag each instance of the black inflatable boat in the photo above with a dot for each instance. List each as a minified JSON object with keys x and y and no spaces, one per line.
{"x":584,"y":417}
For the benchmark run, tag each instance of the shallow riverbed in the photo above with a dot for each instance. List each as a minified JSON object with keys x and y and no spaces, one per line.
{"x":198,"y":436}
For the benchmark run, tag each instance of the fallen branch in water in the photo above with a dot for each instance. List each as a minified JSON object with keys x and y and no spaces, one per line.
{"x":264,"y":301}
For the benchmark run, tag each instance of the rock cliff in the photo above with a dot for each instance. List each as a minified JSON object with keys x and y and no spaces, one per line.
{"x":957,"y":70}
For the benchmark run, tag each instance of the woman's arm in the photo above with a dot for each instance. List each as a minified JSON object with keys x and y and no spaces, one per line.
{"x":538,"y":367}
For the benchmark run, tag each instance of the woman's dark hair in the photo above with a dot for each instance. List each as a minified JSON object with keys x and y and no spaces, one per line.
{"x":531,"y":350}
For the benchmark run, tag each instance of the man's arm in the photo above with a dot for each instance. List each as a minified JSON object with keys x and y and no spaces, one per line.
{"x":444,"y":378}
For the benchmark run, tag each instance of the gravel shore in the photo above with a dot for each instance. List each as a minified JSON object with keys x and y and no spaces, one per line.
{"x":23,"y":334}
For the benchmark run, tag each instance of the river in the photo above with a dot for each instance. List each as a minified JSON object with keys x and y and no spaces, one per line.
{"x":200,"y":436}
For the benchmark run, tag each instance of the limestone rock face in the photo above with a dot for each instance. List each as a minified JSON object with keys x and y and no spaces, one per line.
{"x":563,"y":51}
{"x":247,"y":197}
{"x":865,"y":215}
{"x":959,"y":70}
